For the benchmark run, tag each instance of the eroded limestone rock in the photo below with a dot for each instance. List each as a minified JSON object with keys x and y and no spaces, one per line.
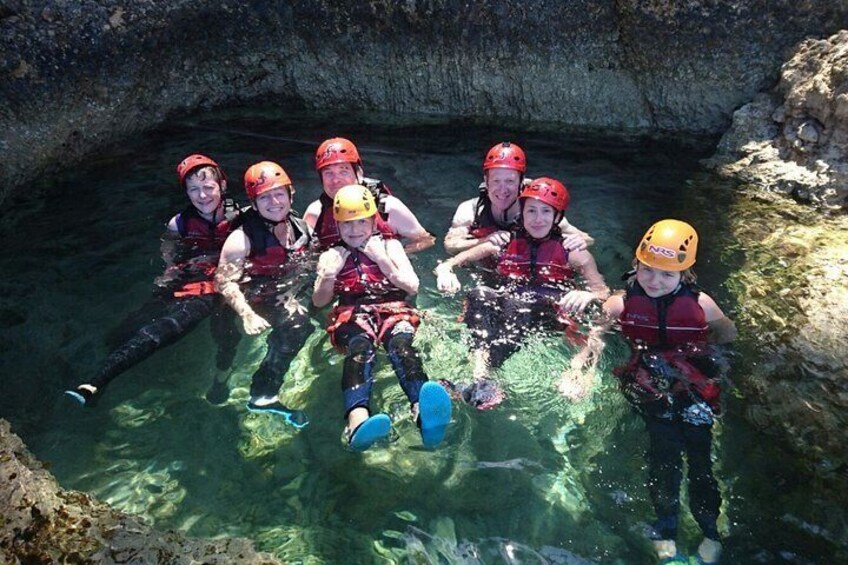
{"x":794,"y":139}
{"x":43,"y":523}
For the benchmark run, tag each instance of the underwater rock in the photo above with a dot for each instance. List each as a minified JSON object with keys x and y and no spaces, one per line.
{"x":43,"y":523}
{"x":794,"y":139}
{"x":81,"y":75}
{"x":792,"y":305}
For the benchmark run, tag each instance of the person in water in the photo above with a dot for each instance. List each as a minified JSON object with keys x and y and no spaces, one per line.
{"x":371,"y":276}
{"x":536,"y":280}
{"x":338,"y":164}
{"x":184,"y":293}
{"x":493,"y":214}
{"x":672,"y":378}
{"x":260,"y":274}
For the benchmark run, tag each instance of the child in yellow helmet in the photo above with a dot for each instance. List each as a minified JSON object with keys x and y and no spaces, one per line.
{"x":672,"y":378}
{"x":373,"y":281}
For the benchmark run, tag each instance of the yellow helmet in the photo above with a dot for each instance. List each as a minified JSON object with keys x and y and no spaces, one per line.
{"x":669,"y":245}
{"x":353,"y":202}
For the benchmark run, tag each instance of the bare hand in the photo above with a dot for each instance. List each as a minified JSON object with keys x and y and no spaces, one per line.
{"x":499,"y":238}
{"x":573,"y":385}
{"x":574,"y":242}
{"x":254,"y":324}
{"x":576,"y":301}
{"x":375,"y":249}
{"x":447,"y":282}
{"x":331,"y":262}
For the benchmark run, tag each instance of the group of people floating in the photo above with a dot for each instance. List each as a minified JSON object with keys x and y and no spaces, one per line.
{"x":253,"y":265}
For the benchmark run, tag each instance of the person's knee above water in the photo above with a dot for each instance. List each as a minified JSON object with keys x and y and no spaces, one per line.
{"x":495,"y":211}
{"x":372,"y":279}
{"x":532,"y":266}
{"x":338,"y":164}
{"x":673,"y":377}
{"x":185,"y":286}
{"x":266,"y":253}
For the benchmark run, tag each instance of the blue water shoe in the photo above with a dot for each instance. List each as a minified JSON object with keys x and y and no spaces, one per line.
{"x":434,"y":413}
{"x":296,"y":418}
{"x":372,"y":430}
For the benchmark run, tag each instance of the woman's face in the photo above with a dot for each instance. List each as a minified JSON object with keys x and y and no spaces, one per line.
{"x":274,"y":204}
{"x":656,"y":282}
{"x":538,"y":218}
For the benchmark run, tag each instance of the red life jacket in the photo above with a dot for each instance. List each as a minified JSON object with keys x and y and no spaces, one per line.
{"x":326,"y":229}
{"x":368,"y":299}
{"x":525,"y":261}
{"x":362,"y":282}
{"x":268,"y":257}
{"x":670,"y":320}
{"x":666,"y":334}
{"x":200,"y":232}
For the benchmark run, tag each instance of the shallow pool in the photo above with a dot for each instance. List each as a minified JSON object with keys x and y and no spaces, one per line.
{"x":537,"y":480}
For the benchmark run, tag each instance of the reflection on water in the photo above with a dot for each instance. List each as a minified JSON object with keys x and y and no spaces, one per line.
{"x":535,"y":481}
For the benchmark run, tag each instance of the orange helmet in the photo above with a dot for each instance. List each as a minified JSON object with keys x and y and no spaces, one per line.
{"x":669,"y":245}
{"x":264,"y":176}
{"x":194,"y":161}
{"x":550,"y":191}
{"x":336,"y":150}
{"x":505,"y":156}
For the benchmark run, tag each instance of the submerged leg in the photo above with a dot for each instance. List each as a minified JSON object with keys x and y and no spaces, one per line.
{"x":405,"y":359}
{"x":179,"y":318}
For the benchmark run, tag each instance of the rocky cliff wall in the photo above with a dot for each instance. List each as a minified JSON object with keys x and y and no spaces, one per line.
{"x":78,"y":75}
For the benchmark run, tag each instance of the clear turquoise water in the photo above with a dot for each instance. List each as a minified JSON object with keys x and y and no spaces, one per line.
{"x":538,"y":480}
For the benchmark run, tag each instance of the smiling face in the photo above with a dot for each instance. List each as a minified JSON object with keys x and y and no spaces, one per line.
{"x":656,"y":282}
{"x":355,"y":233}
{"x":204,"y":191}
{"x":335,"y":176}
{"x":502,"y":186}
{"x":538,"y":218}
{"x":274,"y":204}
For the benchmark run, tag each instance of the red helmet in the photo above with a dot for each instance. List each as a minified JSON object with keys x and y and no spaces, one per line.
{"x":194,"y":161}
{"x":505,"y":156}
{"x":550,"y":191}
{"x":264,"y":176}
{"x":336,"y":150}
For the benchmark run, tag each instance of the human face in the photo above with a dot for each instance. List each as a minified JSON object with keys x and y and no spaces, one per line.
{"x":538,"y":218}
{"x":204,"y":192}
{"x":355,"y":233}
{"x":274,"y":204}
{"x":656,"y":282}
{"x":502,"y":186}
{"x":335,"y":176}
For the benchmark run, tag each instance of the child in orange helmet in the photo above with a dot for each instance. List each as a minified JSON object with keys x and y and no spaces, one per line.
{"x":672,"y":378}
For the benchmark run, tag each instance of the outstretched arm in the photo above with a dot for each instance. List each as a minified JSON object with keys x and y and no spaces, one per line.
{"x":404,"y":223}
{"x":446,"y":280}
{"x":574,"y":239}
{"x":230,"y":269}
{"x":576,"y":301}
{"x":577,"y":378}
